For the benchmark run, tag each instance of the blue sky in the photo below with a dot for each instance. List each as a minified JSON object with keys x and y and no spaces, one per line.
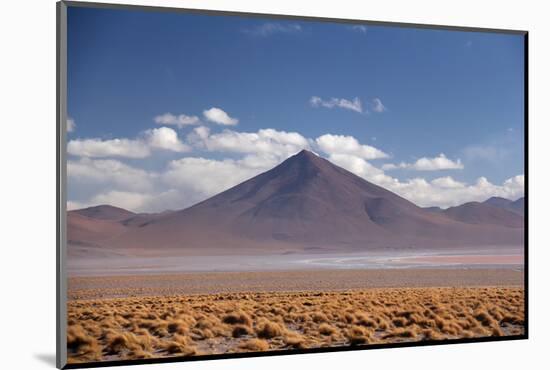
{"x":412,"y":94}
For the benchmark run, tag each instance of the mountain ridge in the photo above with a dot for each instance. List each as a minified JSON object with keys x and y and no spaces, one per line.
{"x":307,"y":203}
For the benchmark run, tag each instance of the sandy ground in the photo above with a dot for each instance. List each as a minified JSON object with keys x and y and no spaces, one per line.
{"x":286,"y":281}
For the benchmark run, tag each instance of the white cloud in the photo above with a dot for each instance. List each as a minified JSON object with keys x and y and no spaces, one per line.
{"x":220,"y":117}
{"x":360,"y":167}
{"x":72,"y":205}
{"x":339,"y":144}
{"x":447,"y":182}
{"x":441,"y":162}
{"x":132,"y":201}
{"x":165,"y":138}
{"x":353,"y":105}
{"x":443,"y":191}
{"x":271,"y":28}
{"x":206,"y":177}
{"x":109,"y":173}
{"x":515,"y":184}
{"x":377,"y":106}
{"x":179,"y":120}
{"x":188,"y":180}
{"x":127,"y":200}
{"x":108,"y":148}
{"x":280,"y":144}
{"x":448,"y":192}
{"x":71,"y":125}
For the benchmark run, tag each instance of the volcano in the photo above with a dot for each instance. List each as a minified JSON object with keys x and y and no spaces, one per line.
{"x":305,"y":204}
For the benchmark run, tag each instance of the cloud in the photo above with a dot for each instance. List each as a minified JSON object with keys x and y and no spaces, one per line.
{"x":443,"y":191}
{"x":108,"y":173}
{"x":353,"y":105}
{"x":447,"y":182}
{"x":241,"y":155}
{"x":203,"y":177}
{"x":179,"y":120}
{"x":438,"y":163}
{"x":163,"y":138}
{"x":377,"y":106}
{"x":220,"y":117}
{"x":339,"y":144}
{"x":360,"y":167}
{"x":127,"y":200}
{"x":359,"y":28}
{"x":271,"y":28}
{"x":449,"y":192}
{"x":132,"y":201}
{"x":71,"y":125}
{"x":108,"y":148}
{"x":280,"y":144}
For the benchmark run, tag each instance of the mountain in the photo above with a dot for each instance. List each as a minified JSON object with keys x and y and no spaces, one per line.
{"x":306,"y":203}
{"x":95,"y":227}
{"x":484,"y":213}
{"x":83,"y":230}
{"x":516,"y":206}
{"x":105,"y":212}
{"x":434,"y":209}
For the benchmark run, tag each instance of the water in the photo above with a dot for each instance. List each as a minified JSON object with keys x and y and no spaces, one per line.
{"x":371,"y":260}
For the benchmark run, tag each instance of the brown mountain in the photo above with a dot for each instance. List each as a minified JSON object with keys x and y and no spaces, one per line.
{"x":516,"y":206}
{"x":83,"y":230}
{"x":105,"y":212}
{"x":483,"y":213}
{"x":95,"y":227}
{"x":307,"y":203}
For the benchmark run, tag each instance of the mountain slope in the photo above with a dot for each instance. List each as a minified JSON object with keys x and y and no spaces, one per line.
{"x":483,"y":213}
{"x":105,"y":212}
{"x":307,"y":203}
{"x":516,"y":206}
{"x":85,"y":230}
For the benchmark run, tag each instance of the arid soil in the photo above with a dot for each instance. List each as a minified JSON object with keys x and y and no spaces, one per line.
{"x":285,"y":281}
{"x":177,"y":324}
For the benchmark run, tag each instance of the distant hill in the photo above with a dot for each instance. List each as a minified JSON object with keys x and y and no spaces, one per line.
{"x":96,"y":226}
{"x":516,"y":206}
{"x":483,"y":213}
{"x":105,"y":212}
{"x":306,"y":204}
{"x":433,"y":209}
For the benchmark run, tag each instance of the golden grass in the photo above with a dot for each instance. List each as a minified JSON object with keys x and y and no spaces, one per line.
{"x":145,"y":327}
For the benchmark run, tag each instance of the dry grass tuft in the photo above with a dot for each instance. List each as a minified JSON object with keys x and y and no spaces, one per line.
{"x":240,"y":331}
{"x":326,"y":329}
{"x":146,"y":327}
{"x":268,"y":329}
{"x":358,"y":335}
{"x":255,"y":345}
{"x":237,"y":318}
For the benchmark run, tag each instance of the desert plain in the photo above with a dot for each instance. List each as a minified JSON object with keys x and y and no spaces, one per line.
{"x":194,"y":314}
